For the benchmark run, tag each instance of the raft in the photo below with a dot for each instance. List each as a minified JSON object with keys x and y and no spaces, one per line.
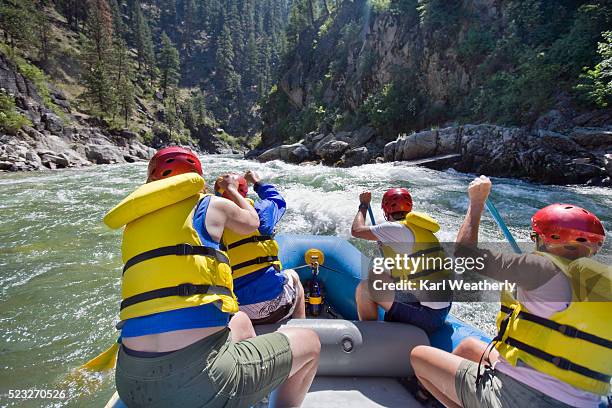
{"x":362,"y":364}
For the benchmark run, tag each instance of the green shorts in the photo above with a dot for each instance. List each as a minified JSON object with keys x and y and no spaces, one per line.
{"x":496,"y":390}
{"x":213,"y":372}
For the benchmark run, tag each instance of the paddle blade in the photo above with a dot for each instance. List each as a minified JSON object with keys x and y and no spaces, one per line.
{"x":104,"y":361}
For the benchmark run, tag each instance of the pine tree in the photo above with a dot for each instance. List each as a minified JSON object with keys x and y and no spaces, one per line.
{"x":226,"y":75}
{"x":168,"y":18}
{"x":18,"y":24}
{"x":123,"y":76}
{"x":97,"y":57}
{"x":169,"y":65}
{"x":143,"y":41}
{"x":189,"y":26}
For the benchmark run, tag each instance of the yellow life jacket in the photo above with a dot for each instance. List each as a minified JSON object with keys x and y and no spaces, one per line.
{"x":573,"y":345}
{"x":426,"y":245}
{"x":250,"y":253}
{"x":166,"y":265}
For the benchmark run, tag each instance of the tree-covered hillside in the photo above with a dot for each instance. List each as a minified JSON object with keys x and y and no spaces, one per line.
{"x":169,"y":69}
{"x":406,"y":65}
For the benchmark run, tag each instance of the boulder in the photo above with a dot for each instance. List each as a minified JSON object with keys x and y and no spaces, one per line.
{"x":355,"y":157}
{"x":389,"y":151}
{"x":560,"y":142}
{"x":53,"y":123}
{"x":595,"y":137}
{"x":270,"y":154}
{"x":53,"y":160}
{"x":294,"y":153}
{"x":332,"y":150}
{"x":419,"y":145}
{"x":311,"y":139}
{"x":103,"y":154}
{"x":362,"y":136}
{"x":608,"y":163}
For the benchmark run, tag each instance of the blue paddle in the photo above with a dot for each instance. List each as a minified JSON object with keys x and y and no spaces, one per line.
{"x":502,"y":225}
{"x":373,"y":222}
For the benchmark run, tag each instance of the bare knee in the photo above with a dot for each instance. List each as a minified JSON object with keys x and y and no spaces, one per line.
{"x":241,"y":327}
{"x":304,"y":342}
{"x":470,"y":348}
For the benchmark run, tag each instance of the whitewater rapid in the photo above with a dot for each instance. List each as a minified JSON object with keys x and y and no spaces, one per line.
{"x":60,"y":266}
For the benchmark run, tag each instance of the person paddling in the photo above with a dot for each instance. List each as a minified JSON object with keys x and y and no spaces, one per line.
{"x":405,"y":233}
{"x":554,"y":340}
{"x":265,"y":292}
{"x":180,"y":345}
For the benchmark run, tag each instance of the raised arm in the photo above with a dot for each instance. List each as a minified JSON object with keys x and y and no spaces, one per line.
{"x":478,"y":192}
{"x":359,"y":229}
{"x":236,"y":214}
{"x":271,"y":207}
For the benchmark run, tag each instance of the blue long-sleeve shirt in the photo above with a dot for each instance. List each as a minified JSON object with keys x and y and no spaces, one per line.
{"x":266,"y":283}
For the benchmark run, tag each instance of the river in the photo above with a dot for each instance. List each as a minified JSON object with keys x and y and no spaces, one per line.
{"x":60,"y":266}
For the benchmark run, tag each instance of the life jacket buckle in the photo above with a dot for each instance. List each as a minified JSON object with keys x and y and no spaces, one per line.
{"x":184,"y":249}
{"x":569,"y":331}
{"x":562,"y":363}
{"x":186,"y":289}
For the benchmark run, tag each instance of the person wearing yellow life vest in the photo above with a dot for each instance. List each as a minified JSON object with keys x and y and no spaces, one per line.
{"x":180,"y":344}
{"x":266,"y":292}
{"x":554,"y":338}
{"x":409,"y":233}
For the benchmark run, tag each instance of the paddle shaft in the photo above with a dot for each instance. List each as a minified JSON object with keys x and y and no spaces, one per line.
{"x":373,"y":222}
{"x":502,"y":226}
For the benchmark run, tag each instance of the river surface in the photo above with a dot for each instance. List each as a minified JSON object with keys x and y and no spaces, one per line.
{"x":60,"y":266}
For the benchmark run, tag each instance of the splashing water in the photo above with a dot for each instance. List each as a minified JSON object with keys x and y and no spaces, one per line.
{"x":60,"y":266}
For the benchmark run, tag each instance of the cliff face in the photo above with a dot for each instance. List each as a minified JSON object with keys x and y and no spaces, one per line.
{"x":414,"y":65}
{"x":58,"y":140}
{"x":350,"y":58}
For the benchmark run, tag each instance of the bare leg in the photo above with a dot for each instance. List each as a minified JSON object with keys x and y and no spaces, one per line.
{"x":305,"y":348}
{"x":367,"y":308}
{"x":300,"y":308}
{"x":241,"y":327}
{"x":436,"y":370}
{"x":472,"y":349}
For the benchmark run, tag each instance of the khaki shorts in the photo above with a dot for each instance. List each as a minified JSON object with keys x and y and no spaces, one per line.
{"x":497,"y":390}
{"x":213,"y":372}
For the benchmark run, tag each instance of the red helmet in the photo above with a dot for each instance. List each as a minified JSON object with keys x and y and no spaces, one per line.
{"x":172,"y":161}
{"x":243,"y":186}
{"x":566,"y":223}
{"x":396,"y":200}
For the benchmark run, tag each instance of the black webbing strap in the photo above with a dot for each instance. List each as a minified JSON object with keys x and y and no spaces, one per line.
{"x":566,"y":330}
{"x":260,"y":260}
{"x":180,"y":250}
{"x":425,"y":251}
{"x":419,"y":275}
{"x":254,"y":238}
{"x":184,"y":289}
{"x":557,"y":361}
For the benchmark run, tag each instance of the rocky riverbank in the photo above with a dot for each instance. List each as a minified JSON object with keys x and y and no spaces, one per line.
{"x":59,"y":137}
{"x":559,"y":149}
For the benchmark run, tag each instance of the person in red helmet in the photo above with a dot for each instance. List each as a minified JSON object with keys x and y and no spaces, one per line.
{"x":266,"y":292}
{"x":406,"y":234}
{"x":172,"y":161}
{"x":183,"y":340}
{"x":553,"y":347}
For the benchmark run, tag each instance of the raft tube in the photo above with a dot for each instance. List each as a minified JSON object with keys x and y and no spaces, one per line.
{"x":351,"y":348}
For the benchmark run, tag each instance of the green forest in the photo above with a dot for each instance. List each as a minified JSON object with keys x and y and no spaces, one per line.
{"x":192,"y":66}
{"x":183,"y":70}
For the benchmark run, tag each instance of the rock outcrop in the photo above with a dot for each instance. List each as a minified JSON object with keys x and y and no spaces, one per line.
{"x":559,"y":152}
{"x":58,"y":139}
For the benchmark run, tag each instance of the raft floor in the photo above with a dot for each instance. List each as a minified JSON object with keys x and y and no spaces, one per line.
{"x":358,"y":392}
